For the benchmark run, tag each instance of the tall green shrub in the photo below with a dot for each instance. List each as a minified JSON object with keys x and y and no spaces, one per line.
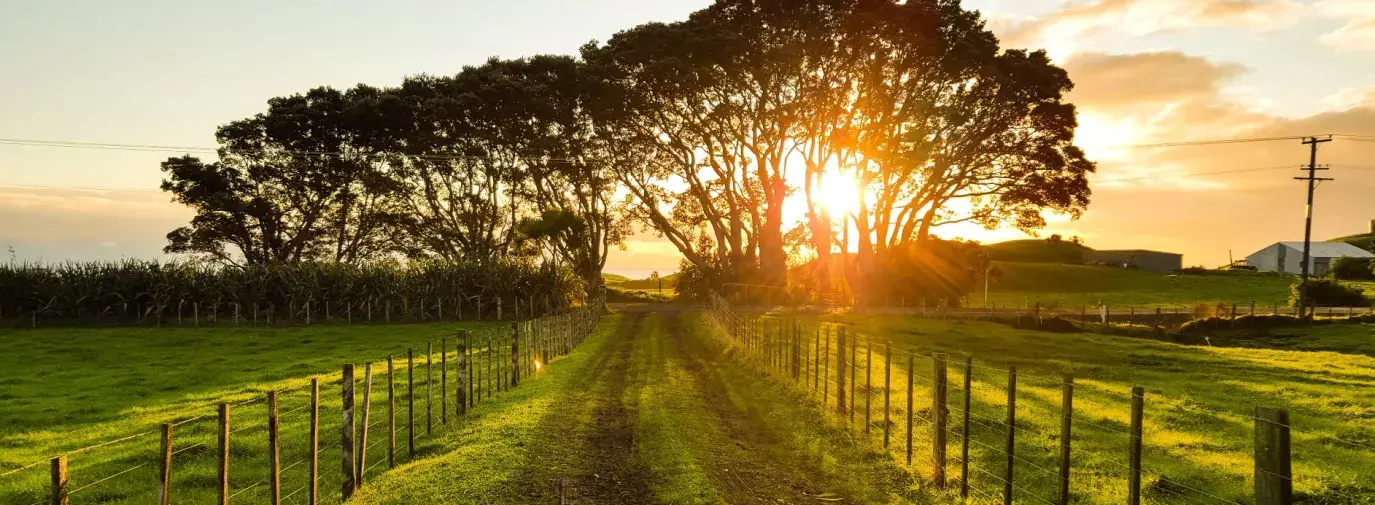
{"x":1329,"y":293}
{"x":1352,"y":269}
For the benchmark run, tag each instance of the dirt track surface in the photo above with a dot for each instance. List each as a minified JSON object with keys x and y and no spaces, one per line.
{"x":654,"y":410}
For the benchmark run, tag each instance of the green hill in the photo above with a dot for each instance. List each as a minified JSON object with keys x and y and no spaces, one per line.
{"x":670,"y":282}
{"x":1069,"y":286}
{"x":613,"y":279}
{"x":1037,"y":251}
{"x":1362,"y":240}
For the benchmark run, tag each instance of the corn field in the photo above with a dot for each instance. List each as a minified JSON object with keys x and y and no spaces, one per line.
{"x":155,"y":293}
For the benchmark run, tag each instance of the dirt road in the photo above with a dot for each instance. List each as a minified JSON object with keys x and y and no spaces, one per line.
{"x":651,"y":410}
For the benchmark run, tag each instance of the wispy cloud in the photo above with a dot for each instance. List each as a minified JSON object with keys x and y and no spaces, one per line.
{"x":1141,"y":98}
{"x":1358,"y":32}
{"x":56,"y":224}
{"x":1363,"y":96}
{"x":1066,"y":31}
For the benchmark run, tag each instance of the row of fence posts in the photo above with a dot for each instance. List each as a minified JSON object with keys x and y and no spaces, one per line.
{"x":544,"y":338}
{"x":384,"y":310}
{"x":780,"y":350}
{"x":1154,"y":316}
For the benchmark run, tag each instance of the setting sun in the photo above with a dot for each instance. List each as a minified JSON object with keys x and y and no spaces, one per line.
{"x":837,"y":194}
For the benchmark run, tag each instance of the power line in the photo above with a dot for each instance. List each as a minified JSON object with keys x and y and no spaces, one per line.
{"x":1189,"y":143}
{"x":211,"y":150}
{"x":1199,"y":174}
{"x":101,"y":145}
{"x":82,"y":188}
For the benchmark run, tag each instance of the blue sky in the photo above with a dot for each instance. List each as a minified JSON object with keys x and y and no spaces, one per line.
{"x":163,"y":72}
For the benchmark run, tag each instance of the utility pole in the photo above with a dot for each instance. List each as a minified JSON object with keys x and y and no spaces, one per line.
{"x":1313,"y":181}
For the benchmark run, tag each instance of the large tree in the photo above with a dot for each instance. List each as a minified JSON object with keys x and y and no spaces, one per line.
{"x":293,"y":183}
{"x":565,"y":167}
{"x":939,"y":127}
{"x":712,"y":107}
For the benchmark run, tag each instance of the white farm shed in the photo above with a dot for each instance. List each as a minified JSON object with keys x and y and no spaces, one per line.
{"x":1287,"y":257}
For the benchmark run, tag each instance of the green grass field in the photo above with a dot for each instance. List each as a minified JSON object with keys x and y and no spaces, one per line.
{"x":1074,"y":286}
{"x":1198,"y":429}
{"x":66,"y":389}
{"x":654,"y":409}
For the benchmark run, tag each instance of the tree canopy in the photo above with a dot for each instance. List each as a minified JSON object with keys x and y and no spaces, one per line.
{"x":702,"y":130}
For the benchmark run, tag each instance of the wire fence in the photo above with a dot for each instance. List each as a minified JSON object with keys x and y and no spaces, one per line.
{"x":308,"y":311}
{"x":997,"y":434}
{"x":383,"y":413}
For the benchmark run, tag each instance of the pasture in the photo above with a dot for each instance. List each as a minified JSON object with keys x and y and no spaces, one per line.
{"x":69,"y":388}
{"x":1198,"y":408}
{"x":657,"y":407}
{"x":1074,"y":286}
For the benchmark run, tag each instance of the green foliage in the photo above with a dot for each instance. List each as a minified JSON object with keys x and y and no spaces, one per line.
{"x":495,"y":163}
{"x":669,"y":282}
{"x":1248,"y":321}
{"x":1329,"y":293}
{"x":1037,"y":251}
{"x":1352,"y":269}
{"x":613,"y":279}
{"x":933,"y":270}
{"x":618,"y":294}
{"x":133,"y":291}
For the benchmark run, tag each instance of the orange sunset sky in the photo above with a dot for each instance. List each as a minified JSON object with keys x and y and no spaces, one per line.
{"x":1146,"y":72}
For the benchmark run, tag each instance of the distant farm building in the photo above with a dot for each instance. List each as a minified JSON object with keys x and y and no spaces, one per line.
{"x":1150,"y":261}
{"x":1287,"y":257}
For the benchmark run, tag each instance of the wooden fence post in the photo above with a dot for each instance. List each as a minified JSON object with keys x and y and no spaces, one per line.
{"x":367,"y":420}
{"x":346,"y":446}
{"x":1134,"y":454}
{"x":224,"y":454}
{"x":391,"y":413}
{"x":165,"y":467}
{"x":940,"y":414}
{"x":840,"y":370}
{"x":274,"y":451}
{"x":492,"y":369}
{"x":315,"y":442}
{"x":1011,"y":433}
{"x":410,"y":403}
{"x":1066,"y":424}
{"x":429,"y":390}
{"x":59,"y":481}
{"x":470,"y":385}
{"x":964,"y":431}
{"x":461,"y":392}
{"x":887,"y":391}
{"x":1273,"y":476}
{"x":825,"y":373}
{"x":911,"y":375}
{"x":492,"y":379}
{"x":514,"y":355}
{"x":814,"y":362}
{"x":797,"y":352}
{"x":854,"y":377}
{"x":444,"y":379}
{"x":868,"y":387}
